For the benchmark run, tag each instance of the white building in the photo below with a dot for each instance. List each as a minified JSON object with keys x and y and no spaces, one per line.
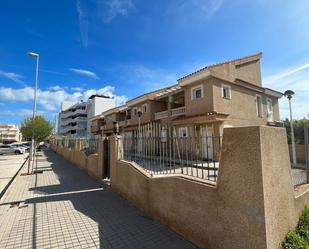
{"x":74,"y":118}
{"x":9,"y":133}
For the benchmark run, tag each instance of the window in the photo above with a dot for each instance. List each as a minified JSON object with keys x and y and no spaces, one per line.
{"x":183,"y":132}
{"x":259,"y":110}
{"x":144,"y":108}
{"x":135,"y":111}
{"x":226,"y":91}
{"x":197,"y":92}
{"x":270,"y":116}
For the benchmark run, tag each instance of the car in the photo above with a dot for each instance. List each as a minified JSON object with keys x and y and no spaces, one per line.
{"x":20,"y":147}
{"x":10,"y":149}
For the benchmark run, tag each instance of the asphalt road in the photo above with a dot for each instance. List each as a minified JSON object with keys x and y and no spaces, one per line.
{"x":9,"y":165}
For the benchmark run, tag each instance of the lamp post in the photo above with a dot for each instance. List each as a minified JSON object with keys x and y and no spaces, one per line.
{"x":289,"y":94}
{"x":139,"y":114}
{"x":31,"y":154}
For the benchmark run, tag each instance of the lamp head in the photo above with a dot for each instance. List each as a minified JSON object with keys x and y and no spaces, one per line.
{"x":289,"y":94}
{"x":32,"y":54}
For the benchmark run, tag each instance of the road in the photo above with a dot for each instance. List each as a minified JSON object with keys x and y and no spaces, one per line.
{"x":9,"y":165}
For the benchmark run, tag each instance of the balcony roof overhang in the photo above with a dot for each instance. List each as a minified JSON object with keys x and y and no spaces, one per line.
{"x":168,"y":91}
{"x":209,"y":117}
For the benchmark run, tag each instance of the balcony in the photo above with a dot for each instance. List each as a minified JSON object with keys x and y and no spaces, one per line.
{"x":122,"y":123}
{"x":67,"y":114}
{"x":161,"y":115}
{"x":178,"y":111}
{"x":72,"y":120}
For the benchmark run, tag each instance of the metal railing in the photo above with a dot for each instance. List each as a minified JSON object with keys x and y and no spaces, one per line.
{"x":196,"y":156}
{"x":71,"y":143}
{"x":90,"y":145}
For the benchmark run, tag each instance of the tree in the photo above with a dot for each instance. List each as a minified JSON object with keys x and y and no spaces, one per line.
{"x":298,"y":129}
{"x":39,"y":127}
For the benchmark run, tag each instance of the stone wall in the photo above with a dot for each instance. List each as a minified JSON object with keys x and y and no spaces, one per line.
{"x":251,"y":206}
{"x":91,"y":164}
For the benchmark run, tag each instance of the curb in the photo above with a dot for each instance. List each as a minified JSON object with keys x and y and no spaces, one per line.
{"x":10,"y":182}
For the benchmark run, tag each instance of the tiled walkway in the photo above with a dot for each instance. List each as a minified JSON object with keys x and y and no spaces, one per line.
{"x":64,"y":208}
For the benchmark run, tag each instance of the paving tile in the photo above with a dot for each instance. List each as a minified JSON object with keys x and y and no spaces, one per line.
{"x":65,"y":208}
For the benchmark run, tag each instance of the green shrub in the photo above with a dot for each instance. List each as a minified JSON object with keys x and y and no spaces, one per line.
{"x":294,"y":241}
{"x":303,"y":225}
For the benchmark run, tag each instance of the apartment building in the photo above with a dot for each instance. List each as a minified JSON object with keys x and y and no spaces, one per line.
{"x":202,"y":103}
{"x":74,"y":118}
{"x":9,"y":133}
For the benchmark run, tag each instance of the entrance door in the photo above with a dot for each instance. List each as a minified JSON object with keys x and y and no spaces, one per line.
{"x":106,"y":168}
{"x":207,"y":142}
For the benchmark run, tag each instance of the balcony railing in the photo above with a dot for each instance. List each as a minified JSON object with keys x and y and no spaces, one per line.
{"x":122,"y":123}
{"x":160,"y":115}
{"x":178,"y":111}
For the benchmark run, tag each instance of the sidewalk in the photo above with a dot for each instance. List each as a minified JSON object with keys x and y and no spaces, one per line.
{"x":9,"y":165}
{"x":64,"y":208}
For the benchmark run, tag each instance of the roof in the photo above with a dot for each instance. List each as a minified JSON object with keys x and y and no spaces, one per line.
{"x":147,"y":96}
{"x":246,"y":58}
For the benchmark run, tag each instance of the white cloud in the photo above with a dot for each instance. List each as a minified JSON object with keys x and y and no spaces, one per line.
{"x":83,"y":21}
{"x":20,"y":112}
{"x":55,"y":88}
{"x":186,"y":11}
{"x":296,"y":79}
{"x":209,"y":7}
{"x":77,"y":89}
{"x":84,"y":72}
{"x":114,"y":8}
{"x":12,"y":76}
{"x":145,"y":78}
{"x":50,"y":100}
{"x":285,"y":73}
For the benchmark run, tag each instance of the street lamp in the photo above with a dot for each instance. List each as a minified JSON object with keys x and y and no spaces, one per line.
{"x":139,"y":114}
{"x":289,"y":94}
{"x":31,"y":154}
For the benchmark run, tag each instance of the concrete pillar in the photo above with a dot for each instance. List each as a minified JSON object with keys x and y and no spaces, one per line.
{"x":113,"y":155}
{"x":255,"y":189}
{"x":78,"y":144}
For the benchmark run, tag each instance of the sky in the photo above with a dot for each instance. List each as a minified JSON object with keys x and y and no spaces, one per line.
{"x":124,"y":48}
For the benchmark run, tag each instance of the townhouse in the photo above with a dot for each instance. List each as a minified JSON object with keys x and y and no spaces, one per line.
{"x":202,"y":103}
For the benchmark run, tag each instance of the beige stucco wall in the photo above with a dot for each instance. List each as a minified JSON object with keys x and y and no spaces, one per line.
{"x":146,"y":117}
{"x":92,"y":164}
{"x":246,"y":70}
{"x":242,"y":105}
{"x":202,"y":105}
{"x":252,"y":205}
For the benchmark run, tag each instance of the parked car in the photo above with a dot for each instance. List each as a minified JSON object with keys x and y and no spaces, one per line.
{"x":10,"y":149}
{"x":22,"y":146}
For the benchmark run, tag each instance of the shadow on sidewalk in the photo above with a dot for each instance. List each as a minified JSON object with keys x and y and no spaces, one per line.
{"x":120,"y":225}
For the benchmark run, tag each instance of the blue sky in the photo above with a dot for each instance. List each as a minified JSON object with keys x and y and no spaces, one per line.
{"x":127,"y":47}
